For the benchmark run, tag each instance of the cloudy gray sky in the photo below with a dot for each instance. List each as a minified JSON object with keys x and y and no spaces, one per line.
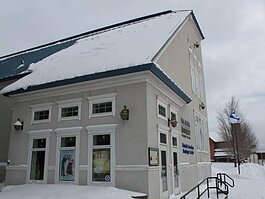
{"x":233,"y":51}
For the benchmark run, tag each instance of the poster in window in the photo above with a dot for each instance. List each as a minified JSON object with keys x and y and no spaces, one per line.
{"x":67,"y":165}
{"x":101,"y":165}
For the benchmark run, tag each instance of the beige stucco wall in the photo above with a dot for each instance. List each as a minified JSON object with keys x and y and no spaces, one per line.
{"x":5,"y":125}
{"x":174,"y":60}
{"x":130,"y":136}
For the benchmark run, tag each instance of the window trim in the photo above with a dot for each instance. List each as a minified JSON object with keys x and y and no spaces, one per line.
{"x":165,"y":130}
{"x":67,"y":132}
{"x":68,"y":104}
{"x":99,"y":130}
{"x":38,"y":134}
{"x":160,"y":103}
{"x":41,"y":107}
{"x":110,"y":97}
{"x":175,"y":134}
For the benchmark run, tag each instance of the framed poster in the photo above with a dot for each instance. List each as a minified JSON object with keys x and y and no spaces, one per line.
{"x":153,"y":156}
{"x":67,"y":165}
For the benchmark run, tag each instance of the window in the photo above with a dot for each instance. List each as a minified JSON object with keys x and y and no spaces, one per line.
{"x":163,"y":138}
{"x":101,"y":145}
{"x":41,"y":113}
{"x":161,"y":110}
{"x":201,"y":133}
{"x":69,"y":109}
{"x":101,"y":158}
{"x":174,"y":141}
{"x":197,"y":81}
{"x":105,"y":107}
{"x":102,"y":105}
{"x":38,"y":155}
{"x":67,"y":165}
{"x":37,"y":159}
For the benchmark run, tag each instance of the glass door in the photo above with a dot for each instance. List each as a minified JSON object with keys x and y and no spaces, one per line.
{"x":175,"y":173}
{"x":164,"y":171}
{"x":174,"y":163}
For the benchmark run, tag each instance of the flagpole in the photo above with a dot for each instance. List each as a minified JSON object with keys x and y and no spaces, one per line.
{"x":237,"y":125}
{"x":234,"y":120}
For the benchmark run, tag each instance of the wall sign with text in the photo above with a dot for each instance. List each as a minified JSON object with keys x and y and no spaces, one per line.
{"x":187,"y":149}
{"x":185,"y":128}
{"x":153,"y":154}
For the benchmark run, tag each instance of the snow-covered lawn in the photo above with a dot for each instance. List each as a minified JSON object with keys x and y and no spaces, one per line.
{"x":249,"y":185}
{"x":41,"y":191}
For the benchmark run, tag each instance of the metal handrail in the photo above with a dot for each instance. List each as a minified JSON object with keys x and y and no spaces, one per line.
{"x":223,"y":179}
{"x":208,"y":187}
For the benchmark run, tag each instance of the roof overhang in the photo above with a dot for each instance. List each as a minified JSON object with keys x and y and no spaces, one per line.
{"x":112,"y":73}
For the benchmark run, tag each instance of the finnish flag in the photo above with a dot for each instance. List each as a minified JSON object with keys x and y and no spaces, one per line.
{"x":234,"y":118}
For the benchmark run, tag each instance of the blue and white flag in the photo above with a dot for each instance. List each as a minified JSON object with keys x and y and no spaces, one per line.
{"x":234,"y":118}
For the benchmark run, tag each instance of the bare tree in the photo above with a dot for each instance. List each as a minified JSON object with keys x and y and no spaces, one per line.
{"x":246,"y":139}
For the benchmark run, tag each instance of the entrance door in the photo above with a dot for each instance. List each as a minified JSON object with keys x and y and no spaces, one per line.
{"x":164,"y":172}
{"x":175,"y":172}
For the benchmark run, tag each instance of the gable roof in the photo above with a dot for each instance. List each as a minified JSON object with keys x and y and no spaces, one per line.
{"x":124,"y":45}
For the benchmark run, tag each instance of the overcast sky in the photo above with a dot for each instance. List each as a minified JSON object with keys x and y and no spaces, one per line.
{"x":233,"y":51}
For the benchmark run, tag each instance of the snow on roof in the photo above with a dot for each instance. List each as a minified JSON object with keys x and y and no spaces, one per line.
{"x":215,"y":136}
{"x":121,"y":47}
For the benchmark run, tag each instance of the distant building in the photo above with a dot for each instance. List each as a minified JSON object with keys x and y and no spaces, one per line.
{"x":219,"y":149}
{"x":121,"y":106}
{"x":258,"y":157}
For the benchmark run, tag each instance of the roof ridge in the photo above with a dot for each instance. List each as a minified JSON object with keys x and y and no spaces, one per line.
{"x":89,"y":33}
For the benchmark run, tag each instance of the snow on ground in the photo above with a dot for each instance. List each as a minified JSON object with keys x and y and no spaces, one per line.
{"x":248,"y":185}
{"x":41,"y":191}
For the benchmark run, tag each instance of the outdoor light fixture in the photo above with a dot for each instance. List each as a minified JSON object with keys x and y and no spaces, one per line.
{"x":172,"y":121}
{"x":124,"y":113}
{"x":196,"y":45}
{"x":18,"y":125}
{"x":202,"y":105}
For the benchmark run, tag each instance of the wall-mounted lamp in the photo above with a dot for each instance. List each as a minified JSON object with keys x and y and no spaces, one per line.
{"x":196,"y":45}
{"x":173,"y":121}
{"x":124,"y":113}
{"x":18,"y":125}
{"x":202,"y":105}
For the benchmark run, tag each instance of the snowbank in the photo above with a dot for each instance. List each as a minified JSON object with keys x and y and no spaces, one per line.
{"x":249,"y":184}
{"x":41,"y":191}
{"x":251,"y":170}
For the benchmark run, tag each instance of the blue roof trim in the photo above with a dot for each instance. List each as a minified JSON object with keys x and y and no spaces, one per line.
{"x":151,"y":67}
{"x":17,"y":64}
{"x":14,"y":77}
